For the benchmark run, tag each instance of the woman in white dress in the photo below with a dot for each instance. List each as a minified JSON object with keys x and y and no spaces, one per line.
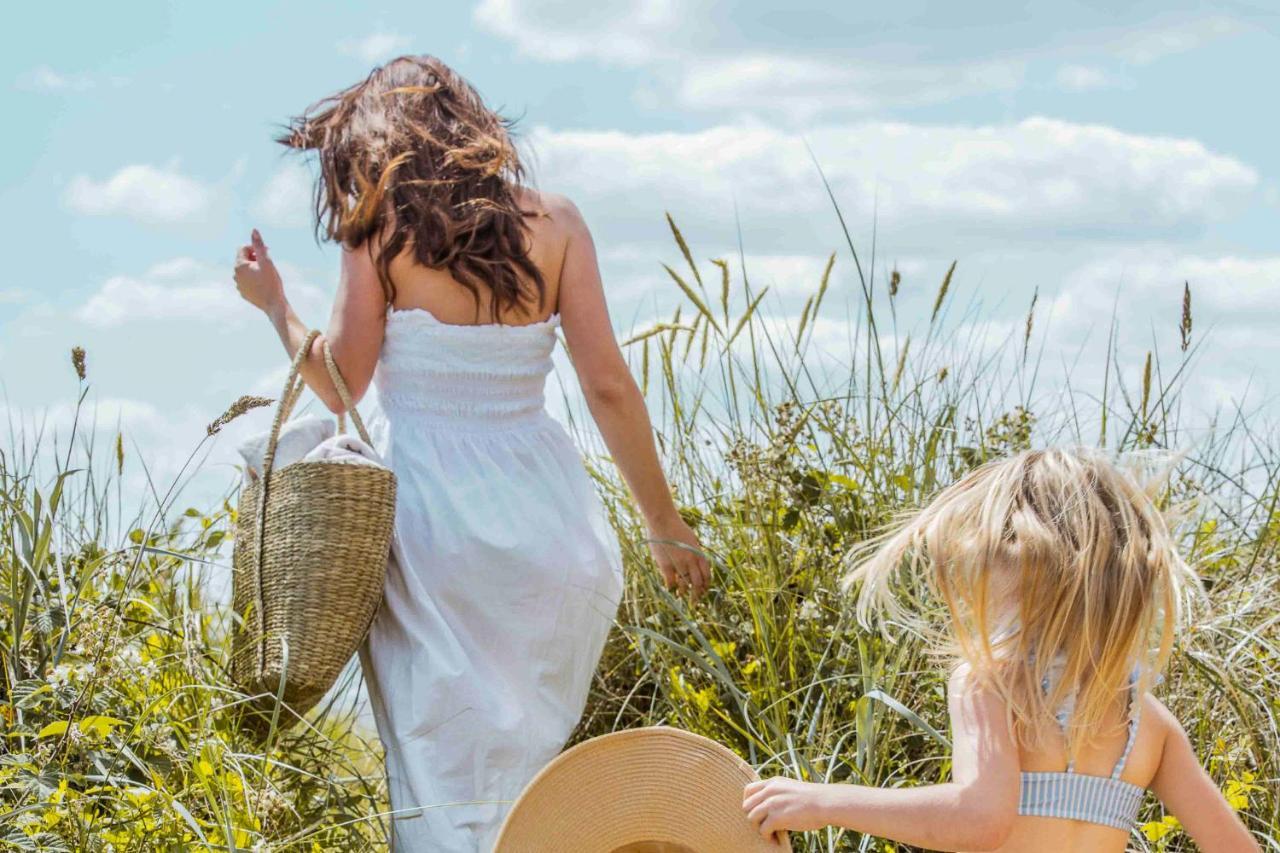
{"x":505,"y":574}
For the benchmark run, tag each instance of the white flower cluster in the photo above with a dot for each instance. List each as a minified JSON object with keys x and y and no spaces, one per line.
{"x":70,"y":674}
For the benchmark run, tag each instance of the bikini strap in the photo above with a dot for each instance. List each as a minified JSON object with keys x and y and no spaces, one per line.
{"x":1062,"y":715}
{"x":1135,"y":712}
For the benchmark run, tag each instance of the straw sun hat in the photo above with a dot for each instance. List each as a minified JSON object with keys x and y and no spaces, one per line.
{"x":650,"y":790}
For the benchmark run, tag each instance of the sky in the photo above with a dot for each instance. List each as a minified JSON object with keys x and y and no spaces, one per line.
{"x":1098,"y":154}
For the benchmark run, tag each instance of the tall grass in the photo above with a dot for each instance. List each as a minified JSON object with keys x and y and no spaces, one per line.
{"x":119,"y":712}
{"x":783,"y":465}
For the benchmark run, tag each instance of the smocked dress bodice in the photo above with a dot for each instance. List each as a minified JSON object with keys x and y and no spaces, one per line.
{"x":448,"y":375}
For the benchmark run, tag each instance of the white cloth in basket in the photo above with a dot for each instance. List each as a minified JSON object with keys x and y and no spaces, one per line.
{"x":503,"y":581}
{"x":298,"y":437}
{"x":346,"y":448}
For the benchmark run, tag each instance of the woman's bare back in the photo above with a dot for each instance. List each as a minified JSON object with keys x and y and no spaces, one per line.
{"x":441,"y":295}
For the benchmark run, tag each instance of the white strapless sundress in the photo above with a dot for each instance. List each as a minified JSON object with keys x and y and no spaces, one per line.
{"x":503,"y":582}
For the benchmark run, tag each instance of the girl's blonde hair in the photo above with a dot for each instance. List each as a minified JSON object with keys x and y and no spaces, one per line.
{"x":1048,"y":557}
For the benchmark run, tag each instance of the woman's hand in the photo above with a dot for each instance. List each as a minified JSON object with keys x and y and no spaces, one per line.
{"x":256,"y":276}
{"x":780,"y":804}
{"x":679,"y":555}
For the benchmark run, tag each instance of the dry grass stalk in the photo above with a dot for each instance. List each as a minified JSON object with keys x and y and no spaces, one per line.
{"x":239,"y":407}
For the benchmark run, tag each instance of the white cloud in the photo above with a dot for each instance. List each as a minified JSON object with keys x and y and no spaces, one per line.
{"x":1144,"y":46}
{"x":885,"y":60}
{"x":147,"y":193}
{"x":786,"y":275}
{"x":169,"y":348}
{"x":1083,"y":78}
{"x":803,"y":87}
{"x":14,"y":296}
{"x":182,"y":289}
{"x":612,"y":32}
{"x":1230,"y":290}
{"x":1039,"y":178}
{"x":42,"y":78}
{"x":285,"y":200}
{"x":375,"y":47}
{"x":105,"y":412}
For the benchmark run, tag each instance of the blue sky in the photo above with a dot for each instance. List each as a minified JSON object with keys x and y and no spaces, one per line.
{"x":1102,"y":153}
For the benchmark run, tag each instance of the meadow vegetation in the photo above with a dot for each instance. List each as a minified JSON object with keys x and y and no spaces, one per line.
{"x":119,"y":715}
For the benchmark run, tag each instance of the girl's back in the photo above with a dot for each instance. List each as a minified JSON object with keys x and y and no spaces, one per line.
{"x":1097,"y":761}
{"x":1062,"y":589}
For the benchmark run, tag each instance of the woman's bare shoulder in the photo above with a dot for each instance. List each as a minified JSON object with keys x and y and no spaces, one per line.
{"x":554,"y":209}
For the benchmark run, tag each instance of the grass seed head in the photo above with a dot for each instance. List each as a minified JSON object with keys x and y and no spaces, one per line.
{"x":238,"y":408}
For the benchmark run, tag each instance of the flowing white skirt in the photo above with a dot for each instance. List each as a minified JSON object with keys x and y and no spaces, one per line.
{"x":503,"y":582}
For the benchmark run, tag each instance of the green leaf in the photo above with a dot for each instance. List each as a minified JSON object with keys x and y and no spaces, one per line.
{"x":54,"y":728}
{"x":911,"y":716}
{"x":99,"y":725}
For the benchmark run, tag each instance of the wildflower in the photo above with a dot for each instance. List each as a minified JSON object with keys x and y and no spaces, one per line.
{"x":235,"y":410}
{"x":61,"y":675}
{"x":1158,"y":829}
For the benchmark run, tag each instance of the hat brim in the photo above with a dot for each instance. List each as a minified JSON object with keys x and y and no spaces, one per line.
{"x":656,"y":788}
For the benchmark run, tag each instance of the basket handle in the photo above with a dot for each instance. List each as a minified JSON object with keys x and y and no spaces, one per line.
{"x":293,"y":386}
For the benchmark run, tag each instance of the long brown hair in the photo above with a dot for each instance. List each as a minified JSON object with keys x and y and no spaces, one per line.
{"x":411,"y":157}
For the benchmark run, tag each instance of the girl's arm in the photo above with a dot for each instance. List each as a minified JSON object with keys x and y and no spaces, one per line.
{"x":617,"y":406}
{"x":1189,"y":793}
{"x":975,"y":811}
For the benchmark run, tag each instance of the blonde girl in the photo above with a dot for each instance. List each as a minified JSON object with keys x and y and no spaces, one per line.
{"x":1064,"y":590}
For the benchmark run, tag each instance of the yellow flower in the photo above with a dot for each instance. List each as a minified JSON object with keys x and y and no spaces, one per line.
{"x":723,"y":650}
{"x":1157,"y":829}
{"x":1237,"y":791}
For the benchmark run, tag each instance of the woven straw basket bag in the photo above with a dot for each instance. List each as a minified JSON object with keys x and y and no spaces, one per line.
{"x":309,"y":563}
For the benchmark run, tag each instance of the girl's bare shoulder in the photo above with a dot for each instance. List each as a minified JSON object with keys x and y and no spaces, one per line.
{"x":1158,"y":716}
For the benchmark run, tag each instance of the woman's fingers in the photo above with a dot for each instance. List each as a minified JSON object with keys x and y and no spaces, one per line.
{"x":682,"y":578}
{"x":668,"y":574}
{"x":703,"y":566}
{"x":684,"y":570}
{"x":695,"y":569}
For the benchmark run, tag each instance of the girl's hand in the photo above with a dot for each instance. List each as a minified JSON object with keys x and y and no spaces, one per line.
{"x":779,"y":804}
{"x":678,"y":553}
{"x":256,"y":276}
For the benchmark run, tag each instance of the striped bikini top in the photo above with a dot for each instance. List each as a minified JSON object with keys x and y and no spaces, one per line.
{"x":1105,"y":800}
